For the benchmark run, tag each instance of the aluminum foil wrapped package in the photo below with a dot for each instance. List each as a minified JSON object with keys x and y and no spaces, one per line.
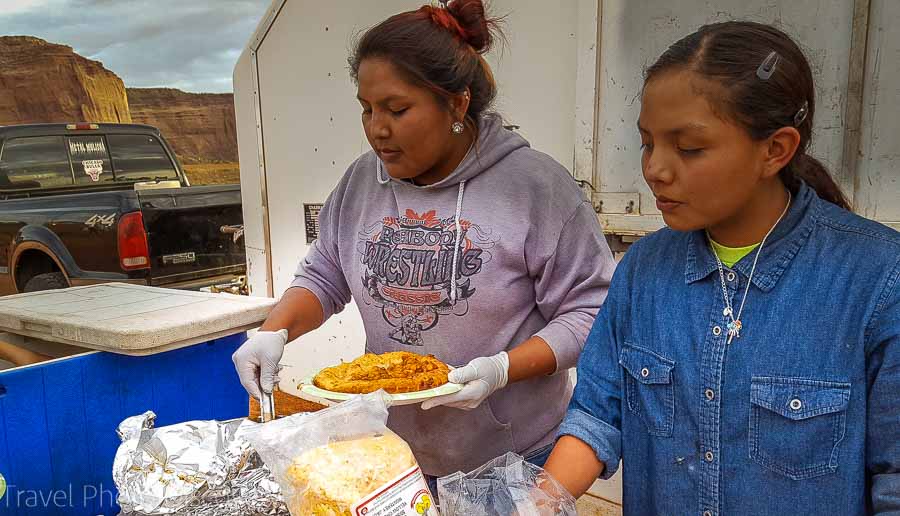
{"x":202,"y":468}
{"x":505,"y":486}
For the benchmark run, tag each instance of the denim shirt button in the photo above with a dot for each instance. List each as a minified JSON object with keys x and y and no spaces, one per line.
{"x":710,"y":394}
{"x":796,"y":404}
{"x":709,"y":456}
{"x":731,"y":276}
{"x":717,"y":331}
{"x":707,"y":513}
{"x":645,"y":372}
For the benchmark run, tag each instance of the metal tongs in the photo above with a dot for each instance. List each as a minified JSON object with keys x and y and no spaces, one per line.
{"x":266,"y":406}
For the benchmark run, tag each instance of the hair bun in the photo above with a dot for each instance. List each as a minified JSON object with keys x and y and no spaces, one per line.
{"x":475,"y":26}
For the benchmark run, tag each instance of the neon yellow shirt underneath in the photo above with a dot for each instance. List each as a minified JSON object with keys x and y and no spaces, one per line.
{"x":731,"y":255}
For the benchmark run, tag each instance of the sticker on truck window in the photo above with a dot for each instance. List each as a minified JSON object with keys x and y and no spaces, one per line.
{"x":86,"y":146}
{"x":93,"y":168}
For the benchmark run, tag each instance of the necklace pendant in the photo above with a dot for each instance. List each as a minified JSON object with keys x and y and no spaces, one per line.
{"x":734,"y":328}
{"x":727,"y":311}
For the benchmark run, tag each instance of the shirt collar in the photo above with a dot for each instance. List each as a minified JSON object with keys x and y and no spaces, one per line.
{"x":780,"y":249}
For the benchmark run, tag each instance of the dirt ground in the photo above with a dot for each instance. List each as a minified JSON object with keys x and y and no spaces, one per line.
{"x":212,"y":173}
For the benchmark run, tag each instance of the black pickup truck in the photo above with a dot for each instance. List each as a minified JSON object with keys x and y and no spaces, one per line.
{"x":92,"y":203}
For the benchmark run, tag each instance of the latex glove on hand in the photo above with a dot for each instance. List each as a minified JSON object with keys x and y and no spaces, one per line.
{"x":481,"y":377}
{"x":256,"y":361}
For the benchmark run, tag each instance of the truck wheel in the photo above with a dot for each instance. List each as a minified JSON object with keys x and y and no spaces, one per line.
{"x":47,"y":281}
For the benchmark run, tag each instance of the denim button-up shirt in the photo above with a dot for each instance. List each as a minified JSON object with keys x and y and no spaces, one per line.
{"x":799,"y":415}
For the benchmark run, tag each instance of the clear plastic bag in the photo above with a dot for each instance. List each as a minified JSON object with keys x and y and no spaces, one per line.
{"x":505,"y":486}
{"x":344,"y":461}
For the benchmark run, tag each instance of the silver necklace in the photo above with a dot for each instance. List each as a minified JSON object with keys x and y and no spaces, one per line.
{"x":734,"y":324}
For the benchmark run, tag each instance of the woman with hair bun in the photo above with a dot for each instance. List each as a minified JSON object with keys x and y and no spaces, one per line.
{"x":455,"y":238}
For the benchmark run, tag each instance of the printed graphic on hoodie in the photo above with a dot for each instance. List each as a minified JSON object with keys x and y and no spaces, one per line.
{"x":407,"y":263}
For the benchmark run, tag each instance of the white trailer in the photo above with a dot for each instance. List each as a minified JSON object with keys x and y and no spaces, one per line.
{"x":570,"y":79}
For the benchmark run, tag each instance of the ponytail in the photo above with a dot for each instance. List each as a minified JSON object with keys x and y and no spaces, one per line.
{"x":812,"y":172}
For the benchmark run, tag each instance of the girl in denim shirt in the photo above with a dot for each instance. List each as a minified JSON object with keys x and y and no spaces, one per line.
{"x":747,"y":360}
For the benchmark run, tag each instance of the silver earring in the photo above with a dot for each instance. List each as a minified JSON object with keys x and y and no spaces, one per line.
{"x":800,"y":117}
{"x":457,"y":128}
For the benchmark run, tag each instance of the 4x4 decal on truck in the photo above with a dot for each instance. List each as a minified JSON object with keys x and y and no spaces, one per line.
{"x":101,"y":220}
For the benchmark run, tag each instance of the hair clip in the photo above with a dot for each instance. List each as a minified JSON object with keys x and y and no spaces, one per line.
{"x":800,"y":117}
{"x":767,"y":67}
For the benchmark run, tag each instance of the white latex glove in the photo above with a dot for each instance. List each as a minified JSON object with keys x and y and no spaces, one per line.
{"x":256,"y":361}
{"x":481,"y":378}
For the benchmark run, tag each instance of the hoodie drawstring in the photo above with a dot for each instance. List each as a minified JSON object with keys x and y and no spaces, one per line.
{"x":459,"y":200}
{"x":379,"y":167}
{"x":454,"y":294}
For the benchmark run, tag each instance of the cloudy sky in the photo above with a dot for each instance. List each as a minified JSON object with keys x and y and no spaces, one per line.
{"x":191,"y":45}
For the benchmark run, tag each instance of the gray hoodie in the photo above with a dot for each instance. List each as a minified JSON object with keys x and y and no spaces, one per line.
{"x":531,"y":260}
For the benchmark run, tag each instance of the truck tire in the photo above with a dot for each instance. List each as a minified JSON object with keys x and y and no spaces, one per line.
{"x":46,"y":281}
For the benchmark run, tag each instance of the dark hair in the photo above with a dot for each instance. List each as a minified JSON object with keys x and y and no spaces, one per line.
{"x":438,"y":48}
{"x":733,"y":55}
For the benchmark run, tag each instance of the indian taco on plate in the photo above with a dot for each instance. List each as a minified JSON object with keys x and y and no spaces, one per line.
{"x":395,"y":372}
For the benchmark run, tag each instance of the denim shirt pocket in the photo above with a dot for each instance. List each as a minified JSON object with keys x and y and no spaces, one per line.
{"x":796,"y":425}
{"x":649,"y":389}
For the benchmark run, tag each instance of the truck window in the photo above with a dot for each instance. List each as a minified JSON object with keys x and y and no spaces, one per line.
{"x":90,"y":160}
{"x":34,"y":162}
{"x":138,"y":157}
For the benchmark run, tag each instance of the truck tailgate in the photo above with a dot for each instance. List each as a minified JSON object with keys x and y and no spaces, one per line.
{"x":194,"y":232}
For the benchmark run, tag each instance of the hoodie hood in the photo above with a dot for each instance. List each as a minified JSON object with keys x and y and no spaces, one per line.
{"x":494,"y":143}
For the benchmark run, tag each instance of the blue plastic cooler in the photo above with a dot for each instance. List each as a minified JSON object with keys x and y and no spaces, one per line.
{"x":58,"y":419}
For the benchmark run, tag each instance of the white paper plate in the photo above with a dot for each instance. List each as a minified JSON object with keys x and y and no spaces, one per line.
{"x":310,"y":392}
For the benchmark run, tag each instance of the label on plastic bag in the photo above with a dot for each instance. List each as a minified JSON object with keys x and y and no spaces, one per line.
{"x":406,"y":495}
